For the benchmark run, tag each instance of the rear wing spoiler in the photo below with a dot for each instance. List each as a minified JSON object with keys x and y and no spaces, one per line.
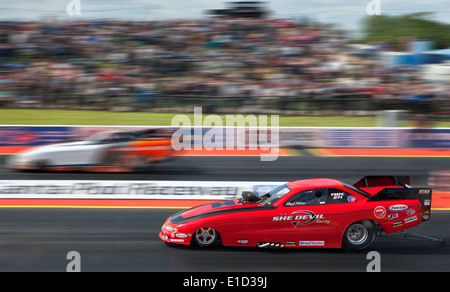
{"x":396,"y":188}
{"x":383,"y":181}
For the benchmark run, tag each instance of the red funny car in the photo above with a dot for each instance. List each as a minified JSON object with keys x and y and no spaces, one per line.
{"x":320,"y":213}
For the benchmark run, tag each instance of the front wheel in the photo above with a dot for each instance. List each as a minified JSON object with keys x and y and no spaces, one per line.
{"x":359,"y":235}
{"x":206,"y":237}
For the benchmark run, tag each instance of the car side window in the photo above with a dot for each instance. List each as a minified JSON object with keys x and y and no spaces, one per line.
{"x":337,"y":196}
{"x":307,"y":198}
{"x":117,"y":138}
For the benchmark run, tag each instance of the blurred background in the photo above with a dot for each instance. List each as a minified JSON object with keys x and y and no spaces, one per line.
{"x":283,"y":57}
{"x":333,"y":70}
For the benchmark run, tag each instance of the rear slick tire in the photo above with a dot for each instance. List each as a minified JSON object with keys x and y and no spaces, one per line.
{"x":359,"y":235}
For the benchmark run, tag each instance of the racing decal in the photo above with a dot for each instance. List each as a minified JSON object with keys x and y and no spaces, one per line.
{"x":290,"y":243}
{"x":392,"y":216}
{"x":311,"y":243}
{"x":306,"y":217}
{"x":398,"y":208}
{"x":410,"y":219}
{"x":242,"y":241}
{"x":379,"y":212}
{"x":176,"y":240}
{"x":302,"y":218}
{"x":397,"y":223}
{"x":410,"y":212}
{"x":337,"y":196}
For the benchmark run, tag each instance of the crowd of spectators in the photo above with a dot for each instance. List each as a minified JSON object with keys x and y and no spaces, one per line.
{"x":112,"y":63}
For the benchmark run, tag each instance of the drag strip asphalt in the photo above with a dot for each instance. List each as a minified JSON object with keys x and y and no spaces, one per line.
{"x":127,"y":240}
{"x":39,"y":239}
{"x":348,"y":169}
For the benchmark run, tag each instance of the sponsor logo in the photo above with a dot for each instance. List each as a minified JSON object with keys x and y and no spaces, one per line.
{"x":176,"y":240}
{"x":379,"y":212}
{"x":397,"y":223}
{"x":392,"y":216}
{"x":425,"y":191}
{"x":351,"y":199}
{"x":410,"y":212}
{"x":302,"y":218}
{"x":290,"y":243}
{"x":242,"y":241}
{"x":398,"y":208}
{"x":410,"y":219}
{"x":311,"y":243}
{"x":181,"y":235}
{"x":399,"y":191}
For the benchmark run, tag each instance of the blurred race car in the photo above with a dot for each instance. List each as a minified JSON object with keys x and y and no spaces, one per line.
{"x":116,"y":151}
{"x":316,"y":213}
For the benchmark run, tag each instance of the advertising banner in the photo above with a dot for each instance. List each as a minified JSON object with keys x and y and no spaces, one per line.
{"x":364,"y":138}
{"x":186,"y":190}
{"x":429,"y":138}
{"x":34,"y":135}
{"x":241,"y":137}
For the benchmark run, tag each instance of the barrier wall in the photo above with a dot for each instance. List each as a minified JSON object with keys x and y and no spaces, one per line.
{"x":139,"y":194}
{"x":160,"y":190}
{"x":287,"y":136}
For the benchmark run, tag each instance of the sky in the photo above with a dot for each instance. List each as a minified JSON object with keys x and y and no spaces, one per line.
{"x":346,"y":14}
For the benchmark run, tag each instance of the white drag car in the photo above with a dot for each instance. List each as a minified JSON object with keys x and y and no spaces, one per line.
{"x":103,"y":151}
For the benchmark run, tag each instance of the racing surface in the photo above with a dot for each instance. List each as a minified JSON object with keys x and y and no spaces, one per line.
{"x":127,"y":240}
{"x":38,"y":239}
{"x":250,"y":168}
